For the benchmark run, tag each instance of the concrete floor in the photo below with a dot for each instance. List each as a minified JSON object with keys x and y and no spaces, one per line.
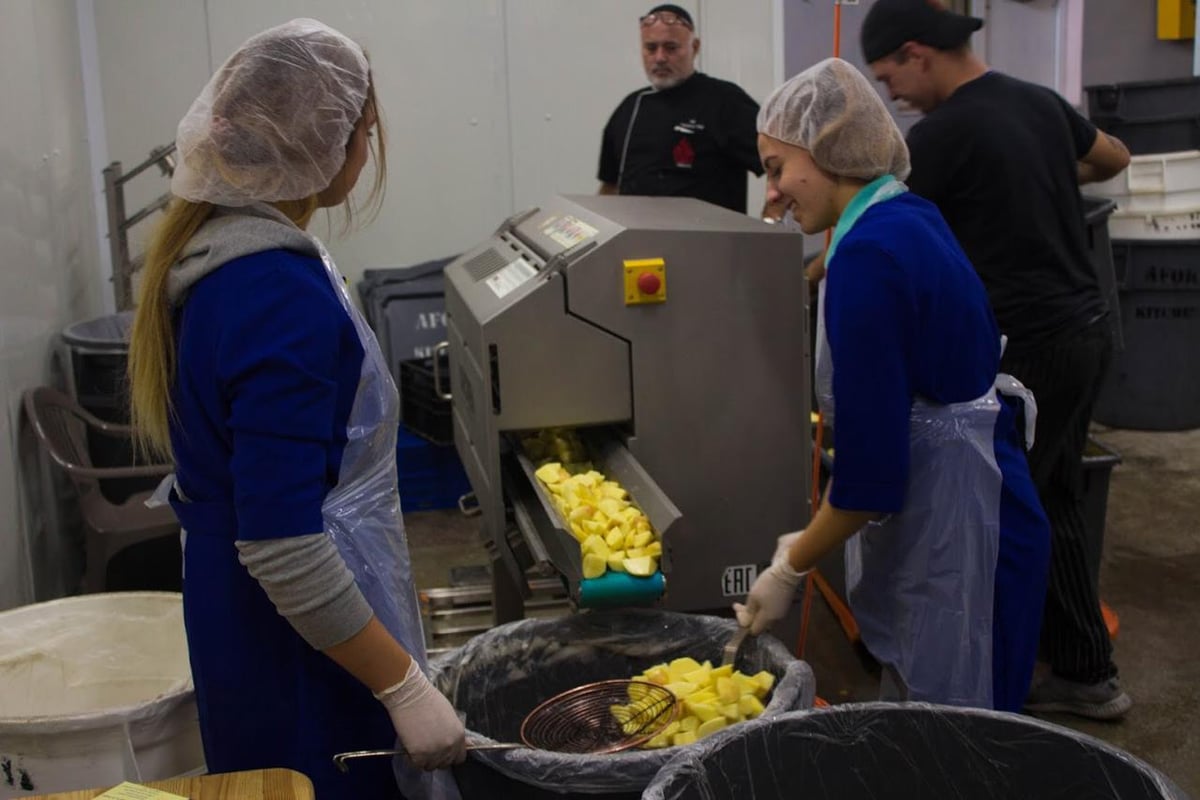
{"x":1150,"y":576}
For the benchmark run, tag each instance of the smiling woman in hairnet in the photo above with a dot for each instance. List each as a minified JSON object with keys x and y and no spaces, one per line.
{"x":251,"y":368}
{"x":947,"y":547}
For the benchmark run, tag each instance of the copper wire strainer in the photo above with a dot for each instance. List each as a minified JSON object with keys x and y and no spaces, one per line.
{"x":594,"y":719}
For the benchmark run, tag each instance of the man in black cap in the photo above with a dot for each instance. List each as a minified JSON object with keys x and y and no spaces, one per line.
{"x":687,"y":135}
{"x":1003,"y":160}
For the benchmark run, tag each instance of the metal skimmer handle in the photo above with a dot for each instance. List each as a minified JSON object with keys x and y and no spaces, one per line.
{"x":340,"y":759}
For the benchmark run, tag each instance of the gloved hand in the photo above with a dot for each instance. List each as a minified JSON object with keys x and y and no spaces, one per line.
{"x":783,"y":545}
{"x":428,"y":727}
{"x":769,"y":598}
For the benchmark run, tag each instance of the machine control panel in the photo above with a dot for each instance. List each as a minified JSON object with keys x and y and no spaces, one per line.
{"x":645,"y":281}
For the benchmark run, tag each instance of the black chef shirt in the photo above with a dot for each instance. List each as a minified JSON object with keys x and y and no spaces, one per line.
{"x":697,"y":139}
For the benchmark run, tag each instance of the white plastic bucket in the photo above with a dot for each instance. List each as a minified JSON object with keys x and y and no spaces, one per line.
{"x":95,"y":690}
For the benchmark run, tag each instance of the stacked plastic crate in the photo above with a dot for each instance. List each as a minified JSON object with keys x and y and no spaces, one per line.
{"x":1154,"y":382}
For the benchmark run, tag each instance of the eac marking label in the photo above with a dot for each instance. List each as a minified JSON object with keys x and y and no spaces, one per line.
{"x":738,"y":579}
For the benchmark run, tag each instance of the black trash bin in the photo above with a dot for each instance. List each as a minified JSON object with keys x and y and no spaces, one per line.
{"x":97,"y":353}
{"x":1153,"y":384}
{"x":1096,"y":211}
{"x":873,"y":750}
{"x":1098,"y":463}
{"x":97,"y":356}
{"x":499,"y":676}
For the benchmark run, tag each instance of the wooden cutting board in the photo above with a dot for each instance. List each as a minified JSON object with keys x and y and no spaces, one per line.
{"x":258,"y":784}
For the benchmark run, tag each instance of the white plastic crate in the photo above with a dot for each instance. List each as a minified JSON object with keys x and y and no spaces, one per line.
{"x":1177,"y":224}
{"x":1155,"y":183}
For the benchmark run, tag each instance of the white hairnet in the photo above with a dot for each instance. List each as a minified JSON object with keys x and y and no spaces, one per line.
{"x":273,"y":122}
{"x":832,"y":111}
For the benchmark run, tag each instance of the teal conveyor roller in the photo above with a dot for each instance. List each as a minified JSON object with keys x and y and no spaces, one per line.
{"x":620,"y":589}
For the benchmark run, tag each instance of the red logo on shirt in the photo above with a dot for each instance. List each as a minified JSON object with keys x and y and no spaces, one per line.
{"x":684,"y":153}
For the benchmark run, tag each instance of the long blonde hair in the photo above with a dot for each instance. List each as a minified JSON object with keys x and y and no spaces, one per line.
{"x":152,"y":350}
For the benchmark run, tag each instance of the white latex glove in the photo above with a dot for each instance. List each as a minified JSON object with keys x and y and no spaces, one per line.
{"x":769,"y":598}
{"x":783,"y":546}
{"x":429,"y":729}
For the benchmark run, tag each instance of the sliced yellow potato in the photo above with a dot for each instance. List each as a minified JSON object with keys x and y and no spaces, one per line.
{"x":710,"y":727}
{"x":594,"y":566}
{"x":750,"y":706}
{"x":642,"y":566}
{"x":683,"y":737}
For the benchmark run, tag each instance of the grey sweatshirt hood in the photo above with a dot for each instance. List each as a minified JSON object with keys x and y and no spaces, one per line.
{"x":232,"y":233}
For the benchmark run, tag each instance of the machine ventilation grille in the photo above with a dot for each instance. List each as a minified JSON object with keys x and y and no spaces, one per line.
{"x":485,"y":264}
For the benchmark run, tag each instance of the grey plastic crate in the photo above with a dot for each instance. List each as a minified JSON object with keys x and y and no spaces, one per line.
{"x":1149,"y":116}
{"x":1168,"y":133}
{"x":1153,"y":384}
{"x":405,"y":307}
{"x":1145,"y":99}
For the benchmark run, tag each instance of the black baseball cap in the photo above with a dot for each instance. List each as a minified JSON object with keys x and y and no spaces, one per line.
{"x":891,"y":23}
{"x":674,"y":9}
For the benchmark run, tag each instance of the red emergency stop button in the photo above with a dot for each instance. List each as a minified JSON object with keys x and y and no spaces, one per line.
{"x":644,"y":281}
{"x":649,"y":283}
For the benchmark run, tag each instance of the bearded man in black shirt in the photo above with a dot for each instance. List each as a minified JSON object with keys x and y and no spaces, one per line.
{"x":1003,"y":160}
{"x":687,"y":134}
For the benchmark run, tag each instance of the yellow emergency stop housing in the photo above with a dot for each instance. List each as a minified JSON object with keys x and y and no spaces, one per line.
{"x":1176,"y":19}
{"x":635,"y":268}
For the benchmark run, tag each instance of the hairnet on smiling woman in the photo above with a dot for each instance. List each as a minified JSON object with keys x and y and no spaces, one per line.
{"x":832,"y":111}
{"x":274,"y":121}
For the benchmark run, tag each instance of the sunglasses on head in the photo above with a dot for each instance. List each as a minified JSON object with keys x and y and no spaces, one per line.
{"x":666,"y":18}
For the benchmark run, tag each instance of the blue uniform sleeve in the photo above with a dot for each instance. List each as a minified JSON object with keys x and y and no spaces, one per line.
{"x":870,"y":321}
{"x":277,"y":361}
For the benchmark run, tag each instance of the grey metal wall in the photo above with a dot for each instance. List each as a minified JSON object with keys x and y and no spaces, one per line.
{"x":1119,"y":44}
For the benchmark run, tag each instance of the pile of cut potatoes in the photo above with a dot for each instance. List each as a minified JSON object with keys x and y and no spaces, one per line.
{"x":710,"y":698}
{"x":613,"y":534}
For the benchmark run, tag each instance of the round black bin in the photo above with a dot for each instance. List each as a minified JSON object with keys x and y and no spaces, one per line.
{"x":873,"y":750}
{"x":98,"y":351}
{"x":499,"y":676}
{"x":97,"y":357}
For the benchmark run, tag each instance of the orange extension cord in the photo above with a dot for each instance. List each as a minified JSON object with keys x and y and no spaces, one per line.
{"x":809,"y":580}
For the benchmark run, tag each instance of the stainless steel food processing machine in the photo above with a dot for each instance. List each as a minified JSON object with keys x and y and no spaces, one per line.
{"x":672,"y":335}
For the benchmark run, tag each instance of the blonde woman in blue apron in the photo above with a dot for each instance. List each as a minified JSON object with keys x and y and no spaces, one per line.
{"x":947,"y":547}
{"x":251,"y":368}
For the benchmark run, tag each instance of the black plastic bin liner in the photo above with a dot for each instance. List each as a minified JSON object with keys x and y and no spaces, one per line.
{"x":913,"y":750}
{"x":499,"y":676}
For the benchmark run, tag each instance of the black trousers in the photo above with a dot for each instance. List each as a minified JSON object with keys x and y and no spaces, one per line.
{"x":1065,"y":378}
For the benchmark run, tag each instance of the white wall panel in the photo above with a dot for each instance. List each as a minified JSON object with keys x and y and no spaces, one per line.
{"x":564,"y":87}
{"x":440,"y":73}
{"x":47,"y":235}
{"x":492,"y":105}
{"x":154,"y":59}
{"x":1039,"y":41}
{"x":737,"y":43}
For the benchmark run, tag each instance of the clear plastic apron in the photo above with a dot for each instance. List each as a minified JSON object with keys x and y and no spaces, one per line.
{"x":362,"y":516}
{"x":921,"y":582}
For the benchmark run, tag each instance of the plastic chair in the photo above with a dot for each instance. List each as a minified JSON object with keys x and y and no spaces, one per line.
{"x":61,"y":427}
